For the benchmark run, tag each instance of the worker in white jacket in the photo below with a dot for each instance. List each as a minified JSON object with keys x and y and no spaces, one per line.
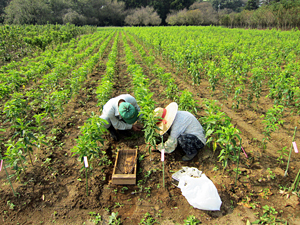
{"x":121,"y":113}
{"x":183,"y":128}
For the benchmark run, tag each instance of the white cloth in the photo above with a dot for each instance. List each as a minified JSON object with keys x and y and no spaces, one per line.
{"x":111,"y":113}
{"x":184,"y":123}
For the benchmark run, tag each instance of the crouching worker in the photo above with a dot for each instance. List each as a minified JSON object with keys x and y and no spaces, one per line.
{"x":183,"y":128}
{"x":121,"y":113}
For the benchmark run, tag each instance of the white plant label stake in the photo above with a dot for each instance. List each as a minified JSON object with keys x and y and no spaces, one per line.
{"x":86,"y":164}
{"x":1,"y":165}
{"x":163,"y":164}
{"x":294,"y":145}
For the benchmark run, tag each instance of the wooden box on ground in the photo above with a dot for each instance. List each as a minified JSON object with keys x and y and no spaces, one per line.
{"x":125,"y":167}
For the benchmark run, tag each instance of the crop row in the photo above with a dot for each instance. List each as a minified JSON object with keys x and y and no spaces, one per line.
{"x":219,"y":130}
{"x":91,"y":138}
{"x":238,"y":60}
{"x":14,"y":77}
{"x":27,"y":116}
{"x":22,"y":40}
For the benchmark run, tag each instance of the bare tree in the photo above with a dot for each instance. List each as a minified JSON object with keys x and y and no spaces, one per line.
{"x":172,"y":18}
{"x":74,"y":17}
{"x":195,"y":17}
{"x":143,"y":16}
{"x":210,"y":16}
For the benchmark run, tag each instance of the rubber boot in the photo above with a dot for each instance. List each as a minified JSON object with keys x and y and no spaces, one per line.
{"x":113,"y":133}
{"x":125,"y":133}
{"x":189,"y":157}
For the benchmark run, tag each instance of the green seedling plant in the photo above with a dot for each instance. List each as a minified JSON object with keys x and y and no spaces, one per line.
{"x":24,"y":131}
{"x":194,"y":71}
{"x":282,"y":154}
{"x":271,"y":120}
{"x":228,"y":137}
{"x":124,"y":189}
{"x":15,"y":108}
{"x":296,"y":182}
{"x":214,"y":120}
{"x":269,"y":216}
{"x":187,"y":102}
{"x":287,"y":166}
{"x":95,"y":217}
{"x":15,"y":157}
{"x":113,"y":219}
{"x":191,"y":220}
{"x":147,"y":219}
{"x":88,"y":144}
{"x":237,"y":97}
{"x":11,"y":205}
{"x":8,"y":177}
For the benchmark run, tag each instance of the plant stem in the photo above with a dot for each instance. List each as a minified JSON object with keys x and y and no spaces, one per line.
{"x":296,"y":182}
{"x":86,"y":181}
{"x":237,"y":167}
{"x":30,"y":157}
{"x":8,"y":177}
{"x":287,"y":166}
{"x":163,"y":162}
{"x":21,"y":164}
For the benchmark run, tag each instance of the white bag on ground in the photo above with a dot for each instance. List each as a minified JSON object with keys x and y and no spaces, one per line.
{"x":200,"y":192}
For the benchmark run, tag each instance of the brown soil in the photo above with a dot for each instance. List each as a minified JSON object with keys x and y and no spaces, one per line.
{"x":55,"y":192}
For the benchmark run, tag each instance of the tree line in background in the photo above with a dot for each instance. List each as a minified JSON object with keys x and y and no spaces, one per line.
{"x":284,"y":14}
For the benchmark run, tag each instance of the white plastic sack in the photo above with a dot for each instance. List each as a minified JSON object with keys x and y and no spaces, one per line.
{"x":187,"y":171}
{"x":200,"y":192}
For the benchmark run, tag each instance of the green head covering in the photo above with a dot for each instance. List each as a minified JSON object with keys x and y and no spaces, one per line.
{"x":128,"y":112}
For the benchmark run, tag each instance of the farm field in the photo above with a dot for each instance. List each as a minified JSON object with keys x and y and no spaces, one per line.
{"x":240,"y":84}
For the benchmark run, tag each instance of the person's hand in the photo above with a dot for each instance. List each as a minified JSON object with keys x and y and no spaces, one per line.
{"x":139,"y":126}
{"x":136,"y":128}
{"x":152,"y":148}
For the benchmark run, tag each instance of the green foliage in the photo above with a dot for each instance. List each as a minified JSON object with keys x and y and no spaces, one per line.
{"x":147,"y":219}
{"x":282,"y":154}
{"x":269,"y":216}
{"x":191,"y":220}
{"x":113,"y":219}
{"x":88,"y":143}
{"x":187,"y":102}
{"x":229,"y":141}
{"x":220,"y":132}
{"x":38,"y":41}
{"x":143,"y":96}
{"x":95,"y":217}
{"x":271,"y":121}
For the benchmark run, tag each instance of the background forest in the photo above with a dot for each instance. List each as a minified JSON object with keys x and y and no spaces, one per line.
{"x":284,"y":14}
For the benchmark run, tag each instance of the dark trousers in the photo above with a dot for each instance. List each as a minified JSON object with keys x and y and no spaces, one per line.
{"x":189,"y":143}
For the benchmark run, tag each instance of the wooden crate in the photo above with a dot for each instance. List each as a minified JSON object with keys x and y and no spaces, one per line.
{"x":125,"y":168}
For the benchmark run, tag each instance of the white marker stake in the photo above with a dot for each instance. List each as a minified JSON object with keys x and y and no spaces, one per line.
{"x":86,"y":164}
{"x":294,"y":144}
{"x":163,"y":164}
{"x":1,"y":164}
{"x":162,"y":155}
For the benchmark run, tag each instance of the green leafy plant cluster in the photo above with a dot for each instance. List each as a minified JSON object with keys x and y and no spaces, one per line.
{"x":143,"y":96}
{"x":272,"y":120}
{"x":90,"y":140}
{"x":220,"y":132}
{"x":191,"y":220}
{"x":269,"y":216}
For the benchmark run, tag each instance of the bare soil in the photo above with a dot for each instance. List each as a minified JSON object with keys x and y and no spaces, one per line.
{"x":55,"y":192}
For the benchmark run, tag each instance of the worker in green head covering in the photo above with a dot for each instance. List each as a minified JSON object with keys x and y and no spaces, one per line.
{"x":121,"y":113}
